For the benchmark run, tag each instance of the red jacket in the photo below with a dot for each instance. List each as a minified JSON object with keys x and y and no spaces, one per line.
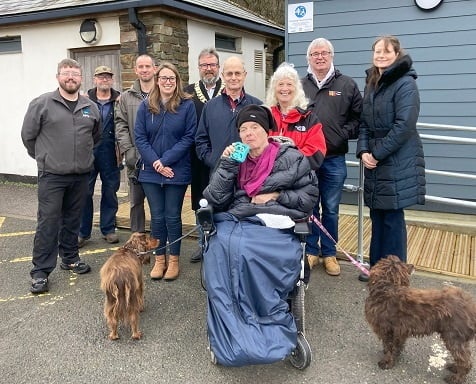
{"x":305,"y":129}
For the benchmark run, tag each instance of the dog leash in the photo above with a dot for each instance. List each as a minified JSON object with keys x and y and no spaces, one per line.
{"x":352,"y":260}
{"x":156,"y":251}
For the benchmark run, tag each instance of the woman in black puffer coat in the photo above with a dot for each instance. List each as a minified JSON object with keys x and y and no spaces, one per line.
{"x":390,"y":147}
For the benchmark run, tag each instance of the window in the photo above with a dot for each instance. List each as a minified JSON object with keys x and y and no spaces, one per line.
{"x":10,"y":44}
{"x":227,"y":43}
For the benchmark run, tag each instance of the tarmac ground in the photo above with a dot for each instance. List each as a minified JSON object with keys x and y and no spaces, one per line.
{"x":60,"y":337}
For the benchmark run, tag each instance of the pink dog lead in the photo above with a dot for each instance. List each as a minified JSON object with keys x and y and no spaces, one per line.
{"x":352,"y":260}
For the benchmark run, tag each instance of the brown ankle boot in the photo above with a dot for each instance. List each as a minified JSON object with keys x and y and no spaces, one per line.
{"x":158,"y":271}
{"x":172,"y":268}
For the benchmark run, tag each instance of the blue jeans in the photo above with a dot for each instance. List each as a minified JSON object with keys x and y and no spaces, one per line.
{"x":105,"y":165}
{"x":331,"y":176}
{"x":389,"y":234}
{"x":165,"y":202}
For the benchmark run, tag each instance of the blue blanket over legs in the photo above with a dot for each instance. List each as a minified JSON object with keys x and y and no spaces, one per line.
{"x":249,"y":271}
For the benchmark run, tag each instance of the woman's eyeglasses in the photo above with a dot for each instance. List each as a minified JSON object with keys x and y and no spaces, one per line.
{"x":164,"y":79}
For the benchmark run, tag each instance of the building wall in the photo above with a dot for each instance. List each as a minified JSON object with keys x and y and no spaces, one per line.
{"x":30,"y":73}
{"x":442,"y":44}
{"x":202,"y":35}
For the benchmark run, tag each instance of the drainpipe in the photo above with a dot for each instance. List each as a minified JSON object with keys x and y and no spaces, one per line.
{"x":141,"y":31}
{"x":276,"y":52}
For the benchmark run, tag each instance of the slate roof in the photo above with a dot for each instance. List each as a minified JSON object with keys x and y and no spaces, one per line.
{"x":17,"y":11}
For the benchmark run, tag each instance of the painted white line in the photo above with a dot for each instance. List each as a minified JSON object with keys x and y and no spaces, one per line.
{"x":14,"y":234}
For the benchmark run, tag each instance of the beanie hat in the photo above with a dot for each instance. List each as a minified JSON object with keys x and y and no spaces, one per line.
{"x":257,"y":113}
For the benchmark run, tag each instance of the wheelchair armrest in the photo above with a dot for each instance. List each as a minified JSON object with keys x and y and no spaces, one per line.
{"x":302,"y":227}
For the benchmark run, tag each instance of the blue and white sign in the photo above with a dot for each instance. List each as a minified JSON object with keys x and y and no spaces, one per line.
{"x":300,"y":17}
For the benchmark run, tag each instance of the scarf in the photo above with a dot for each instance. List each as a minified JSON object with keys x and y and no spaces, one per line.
{"x":254,"y":171}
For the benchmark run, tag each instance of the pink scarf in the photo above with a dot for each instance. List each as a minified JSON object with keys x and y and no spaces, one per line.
{"x":254,"y":171}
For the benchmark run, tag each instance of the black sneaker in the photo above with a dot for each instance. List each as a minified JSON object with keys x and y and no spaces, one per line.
{"x":364,"y":277}
{"x":196,"y":256}
{"x":39,"y":285}
{"x":79,"y":267}
{"x":82,"y":241}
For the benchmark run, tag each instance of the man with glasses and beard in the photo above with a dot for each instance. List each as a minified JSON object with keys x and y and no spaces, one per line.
{"x":105,"y":162}
{"x":59,"y":131}
{"x":208,"y":87}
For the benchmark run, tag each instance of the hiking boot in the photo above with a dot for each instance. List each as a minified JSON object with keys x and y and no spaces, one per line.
{"x":82,"y":241}
{"x":313,"y":260}
{"x":39,"y":285}
{"x":79,"y":267}
{"x":111,"y":238}
{"x":332,"y":266}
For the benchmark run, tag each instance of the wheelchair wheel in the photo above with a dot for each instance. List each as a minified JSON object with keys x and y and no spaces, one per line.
{"x":297,"y":307}
{"x":302,"y":355}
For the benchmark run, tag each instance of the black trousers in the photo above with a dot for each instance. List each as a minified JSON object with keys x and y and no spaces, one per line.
{"x":389,"y":234}
{"x":60,"y":201}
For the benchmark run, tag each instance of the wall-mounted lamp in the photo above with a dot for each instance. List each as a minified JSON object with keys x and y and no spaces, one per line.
{"x":88,"y":31}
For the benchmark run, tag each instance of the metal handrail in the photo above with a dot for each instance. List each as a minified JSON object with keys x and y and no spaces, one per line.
{"x":461,"y":140}
{"x":360,"y":188}
{"x":446,"y":127}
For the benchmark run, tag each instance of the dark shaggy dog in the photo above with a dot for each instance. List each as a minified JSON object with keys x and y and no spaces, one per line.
{"x":122,"y":283}
{"x":396,"y":312}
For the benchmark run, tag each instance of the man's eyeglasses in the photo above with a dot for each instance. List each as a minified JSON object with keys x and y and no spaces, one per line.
{"x":323,"y":54}
{"x":104,"y":77}
{"x":205,"y":65}
{"x":164,"y":79}
{"x":236,"y":74}
{"x":70,"y":74}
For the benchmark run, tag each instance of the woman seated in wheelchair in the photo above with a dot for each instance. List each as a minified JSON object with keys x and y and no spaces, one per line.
{"x":251,"y":268}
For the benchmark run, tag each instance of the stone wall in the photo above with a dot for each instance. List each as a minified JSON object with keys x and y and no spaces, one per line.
{"x":167,"y":40}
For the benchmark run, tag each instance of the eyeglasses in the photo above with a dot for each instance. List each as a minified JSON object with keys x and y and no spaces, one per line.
{"x":323,"y":54}
{"x":70,"y":74}
{"x":104,"y":77}
{"x":236,"y":74}
{"x":205,"y":65}
{"x":164,"y":79}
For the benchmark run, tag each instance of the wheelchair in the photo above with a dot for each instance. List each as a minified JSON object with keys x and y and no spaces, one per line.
{"x":300,"y":355}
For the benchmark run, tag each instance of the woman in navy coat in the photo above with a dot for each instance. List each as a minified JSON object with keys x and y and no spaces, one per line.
{"x":390,"y":148}
{"x":164,"y":132}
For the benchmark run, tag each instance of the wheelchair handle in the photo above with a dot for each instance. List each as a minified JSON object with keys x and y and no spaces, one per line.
{"x":205,"y":216}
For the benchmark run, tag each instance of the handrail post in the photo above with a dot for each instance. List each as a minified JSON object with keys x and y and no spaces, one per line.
{"x":360,"y":217}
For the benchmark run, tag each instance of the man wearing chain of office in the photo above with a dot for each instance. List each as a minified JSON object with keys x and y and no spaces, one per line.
{"x":209,"y":86}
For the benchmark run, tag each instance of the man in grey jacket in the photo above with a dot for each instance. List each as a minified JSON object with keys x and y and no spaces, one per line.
{"x":59,"y":131}
{"x":125,"y":118}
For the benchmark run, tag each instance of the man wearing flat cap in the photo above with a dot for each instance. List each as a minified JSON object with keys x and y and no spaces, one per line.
{"x":105,"y":162}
